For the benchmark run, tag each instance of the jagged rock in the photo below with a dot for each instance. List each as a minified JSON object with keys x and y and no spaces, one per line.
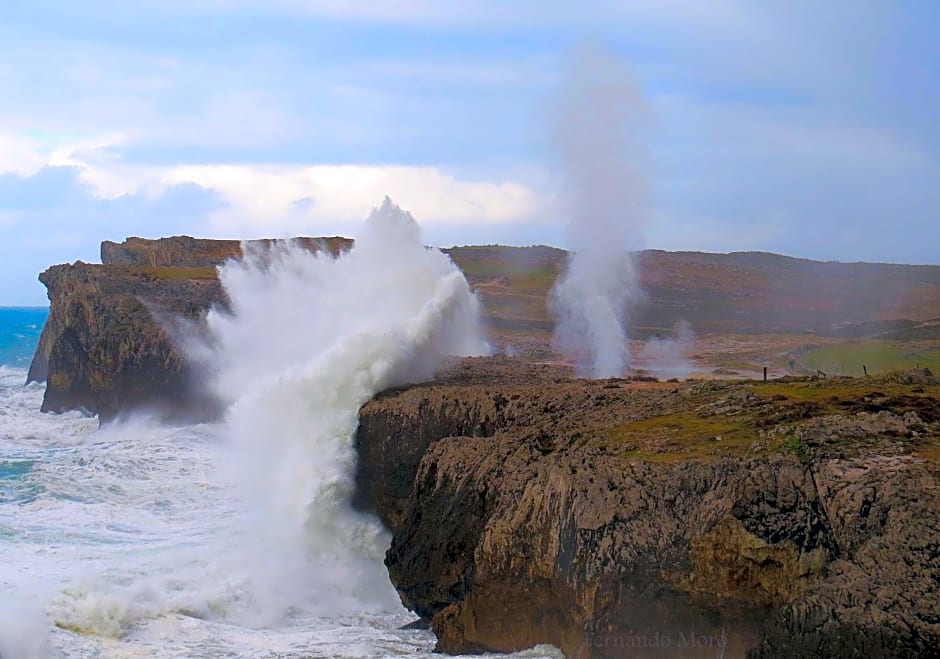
{"x":608,"y":518}
{"x":115,"y":336}
{"x":538,"y":516}
{"x":716,"y":293}
{"x":184,"y":251}
{"x":113,"y":340}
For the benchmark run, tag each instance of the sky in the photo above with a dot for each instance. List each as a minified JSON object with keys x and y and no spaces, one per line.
{"x":800,"y":127}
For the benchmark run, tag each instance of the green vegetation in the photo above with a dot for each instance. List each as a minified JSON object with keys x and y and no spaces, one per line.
{"x":526,"y":275}
{"x":739,"y":363}
{"x":879,"y":356}
{"x":796,"y":447}
{"x":540,"y":280}
{"x":514,"y":283}
{"x":178,"y":273}
{"x":75,"y":629}
{"x":756,"y":418}
{"x":672,"y":437}
{"x":829,"y":393}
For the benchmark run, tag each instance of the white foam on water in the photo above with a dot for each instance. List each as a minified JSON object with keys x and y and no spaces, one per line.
{"x":309,"y":340}
{"x":235,"y":538}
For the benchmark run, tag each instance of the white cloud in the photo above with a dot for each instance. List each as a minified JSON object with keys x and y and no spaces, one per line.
{"x":92,"y":156}
{"x":99,"y":167}
{"x":760,"y":108}
{"x":279,"y":198}
{"x":19,"y":155}
{"x":276,"y":199}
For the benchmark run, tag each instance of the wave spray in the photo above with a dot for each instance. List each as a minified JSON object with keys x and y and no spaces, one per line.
{"x":598,"y":160}
{"x":308,"y":340}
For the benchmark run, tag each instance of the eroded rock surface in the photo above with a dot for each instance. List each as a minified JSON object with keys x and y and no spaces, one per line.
{"x":602,"y":516}
{"x":184,"y":251}
{"x":715,"y":293}
{"x":113,"y":341}
{"x":116,"y":336}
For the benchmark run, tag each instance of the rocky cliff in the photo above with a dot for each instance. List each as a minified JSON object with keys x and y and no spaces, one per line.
{"x":112,"y":339}
{"x":610,"y":518}
{"x":184,"y":251}
{"x":743,"y":292}
{"x":617,"y":518}
{"x":116,"y":333}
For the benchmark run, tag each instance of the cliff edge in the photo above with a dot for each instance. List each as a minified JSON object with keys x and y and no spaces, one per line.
{"x":618,"y":518}
{"x":113,"y":336}
{"x":116,"y":332}
{"x":112,"y":341}
{"x":796,"y":517}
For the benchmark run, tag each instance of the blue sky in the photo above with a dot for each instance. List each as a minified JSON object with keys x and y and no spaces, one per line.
{"x":807,"y":128}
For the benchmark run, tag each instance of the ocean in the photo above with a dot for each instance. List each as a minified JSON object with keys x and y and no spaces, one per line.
{"x":236,"y":538}
{"x":20,"y":328}
{"x":100,"y":531}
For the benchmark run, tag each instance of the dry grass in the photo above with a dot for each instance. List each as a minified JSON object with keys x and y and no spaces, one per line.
{"x":673,"y":437}
{"x":178,"y":273}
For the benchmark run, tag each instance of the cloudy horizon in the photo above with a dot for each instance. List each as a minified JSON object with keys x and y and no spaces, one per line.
{"x":800,"y":128}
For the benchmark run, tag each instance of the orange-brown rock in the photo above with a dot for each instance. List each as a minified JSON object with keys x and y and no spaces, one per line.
{"x":115,"y":337}
{"x":184,"y":251}
{"x":617,"y":518}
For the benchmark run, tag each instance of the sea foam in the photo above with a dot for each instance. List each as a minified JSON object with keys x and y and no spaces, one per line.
{"x":234,"y":538}
{"x":211,"y":537}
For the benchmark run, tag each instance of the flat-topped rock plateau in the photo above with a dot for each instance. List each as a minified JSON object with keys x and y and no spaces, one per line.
{"x":626,"y":518}
{"x":622,"y":517}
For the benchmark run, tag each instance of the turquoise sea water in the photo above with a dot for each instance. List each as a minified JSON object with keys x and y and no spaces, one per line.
{"x":19,"y":332}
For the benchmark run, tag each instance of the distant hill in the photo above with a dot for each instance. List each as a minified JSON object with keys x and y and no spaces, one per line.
{"x":741,"y":292}
{"x":110,"y":341}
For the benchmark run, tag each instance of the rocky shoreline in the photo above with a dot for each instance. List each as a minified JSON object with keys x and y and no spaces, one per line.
{"x":721,"y":519}
{"x":797,"y":517}
{"x":115,"y":338}
{"x":112,"y":342}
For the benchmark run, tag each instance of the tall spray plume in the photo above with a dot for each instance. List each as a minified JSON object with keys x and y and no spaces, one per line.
{"x":596,"y":116}
{"x":308,"y":340}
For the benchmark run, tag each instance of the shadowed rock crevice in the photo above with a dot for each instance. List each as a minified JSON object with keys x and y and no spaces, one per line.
{"x":577,"y":524}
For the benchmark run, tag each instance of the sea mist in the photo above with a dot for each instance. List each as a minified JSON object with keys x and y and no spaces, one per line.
{"x":667,"y":357}
{"x":309,"y":339}
{"x":247,"y":524}
{"x":597,"y":158}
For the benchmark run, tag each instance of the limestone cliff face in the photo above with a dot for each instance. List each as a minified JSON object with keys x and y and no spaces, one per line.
{"x":184,"y":251}
{"x":116,"y":332}
{"x":610,"y":518}
{"x":113,"y":339}
{"x":172,"y":277}
{"x":616,"y":519}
